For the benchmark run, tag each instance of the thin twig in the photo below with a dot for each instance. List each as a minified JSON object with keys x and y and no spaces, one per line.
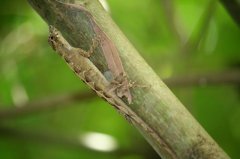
{"x":201,"y":29}
{"x":45,"y":104}
{"x":172,"y":20}
{"x":223,"y":78}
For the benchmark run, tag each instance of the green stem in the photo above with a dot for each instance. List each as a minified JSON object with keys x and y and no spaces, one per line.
{"x":200,"y":31}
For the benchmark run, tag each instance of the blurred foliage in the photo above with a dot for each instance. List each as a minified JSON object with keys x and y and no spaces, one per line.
{"x":163,"y":31}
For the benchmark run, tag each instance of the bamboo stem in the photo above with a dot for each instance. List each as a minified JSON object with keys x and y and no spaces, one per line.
{"x":178,"y":134}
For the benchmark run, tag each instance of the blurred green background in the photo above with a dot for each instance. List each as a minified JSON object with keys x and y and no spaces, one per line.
{"x":192,"y":45}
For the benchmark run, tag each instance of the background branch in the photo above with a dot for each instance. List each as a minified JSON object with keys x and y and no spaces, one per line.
{"x":71,"y":142}
{"x":201,"y":28}
{"x":172,"y":20}
{"x":223,"y":78}
{"x":59,"y":101}
{"x":45,"y":104}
